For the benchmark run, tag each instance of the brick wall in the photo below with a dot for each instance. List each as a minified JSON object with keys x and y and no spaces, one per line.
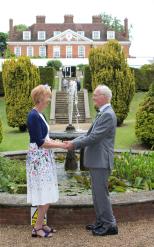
{"x":62,"y":50}
{"x":61,"y":215}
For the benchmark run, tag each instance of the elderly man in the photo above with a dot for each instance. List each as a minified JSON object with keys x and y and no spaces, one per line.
{"x":98,"y":157}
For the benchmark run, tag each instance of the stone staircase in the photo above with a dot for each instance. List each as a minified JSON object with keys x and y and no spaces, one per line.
{"x":61,"y":108}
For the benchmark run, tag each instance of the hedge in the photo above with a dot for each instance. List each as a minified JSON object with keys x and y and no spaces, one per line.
{"x":47,"y":76}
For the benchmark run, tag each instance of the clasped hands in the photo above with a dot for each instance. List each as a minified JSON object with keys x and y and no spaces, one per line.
{"x":67,"y":145}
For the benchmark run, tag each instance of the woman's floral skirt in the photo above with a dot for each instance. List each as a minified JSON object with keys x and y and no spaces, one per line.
{"x":42,"y":185}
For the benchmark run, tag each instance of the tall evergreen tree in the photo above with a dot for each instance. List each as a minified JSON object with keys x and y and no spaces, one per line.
{"x":109,"y":66}
{"x":19,"y":78}
{"x":145,"y":119}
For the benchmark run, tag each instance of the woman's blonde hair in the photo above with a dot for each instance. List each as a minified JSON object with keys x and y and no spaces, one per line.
{"x":40,"y":92}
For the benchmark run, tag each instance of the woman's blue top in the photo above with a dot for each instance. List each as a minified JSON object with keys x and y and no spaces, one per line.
{"x":36,"y":127}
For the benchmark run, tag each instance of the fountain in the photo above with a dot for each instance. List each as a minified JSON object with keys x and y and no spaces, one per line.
{"x":70,"y":133}
{"x":73,"y":100}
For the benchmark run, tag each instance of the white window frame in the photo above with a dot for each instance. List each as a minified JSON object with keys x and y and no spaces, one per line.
{"x":40,"y":52}
{"x":26,"y":35}
{"x":96,"y":35}
{"x":31,"y":53}
{"x":80,"y":33}
{"x":41,"y":35}
{"x":81,"y":53}
{"x":17,"y":51}
{"x":56,"y":51}
{"x":110,"y":35}
{"x":69,"y":53}
{"x":55,"y":33}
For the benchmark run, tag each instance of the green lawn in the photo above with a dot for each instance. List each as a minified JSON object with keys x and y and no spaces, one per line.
{"x":125,"y":137}
{"x":13,"y":139}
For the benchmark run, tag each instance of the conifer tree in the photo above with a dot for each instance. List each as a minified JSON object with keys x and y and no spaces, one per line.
{"x":19,"y":78}
{"x":109,"y":67}
{"x":145,"y":119}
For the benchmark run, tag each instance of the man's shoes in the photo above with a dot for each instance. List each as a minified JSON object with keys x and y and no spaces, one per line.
{"x":91,"y":227}
{"x":103,"y":231}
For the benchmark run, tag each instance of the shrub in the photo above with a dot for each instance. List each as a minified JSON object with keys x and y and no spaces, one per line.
{"x":144,"y":77}
{"x":56,"y":64}
{"x":12,"y":175}
{"x":1,"y":134}
{"x":138,"y":169}
{"x":47,"y":75}
{"x":81,"y":67}
{"x":87,"y":80}
{"x":9,"y":53}
{"x":145,"y":119}
{"x":108,"y":66}
{"x":1,"y":85}
{"x":19,"y":78}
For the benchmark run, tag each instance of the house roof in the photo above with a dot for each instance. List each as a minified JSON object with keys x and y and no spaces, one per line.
{"x":50,"y":28}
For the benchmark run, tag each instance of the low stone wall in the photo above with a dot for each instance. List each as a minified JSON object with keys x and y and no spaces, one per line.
{"x":130,"y":206}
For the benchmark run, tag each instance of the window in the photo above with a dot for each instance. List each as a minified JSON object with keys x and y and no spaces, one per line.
{"x":17,"y":51}
{"x":42,"y":51}
{"x":81,"y":51}
{"x":55,"y":33}
{"x":56,"y":51}
{"x":80,"y":33}
{"x":110,"y":35}
{"x":68,"y":51}
{"x":41,"y":35}
{"x":30,"y":51}
{"x":26,"y":35}
{"x":96,"y":34}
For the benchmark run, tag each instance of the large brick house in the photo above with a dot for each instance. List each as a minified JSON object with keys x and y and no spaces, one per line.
{"x":64,"y":40}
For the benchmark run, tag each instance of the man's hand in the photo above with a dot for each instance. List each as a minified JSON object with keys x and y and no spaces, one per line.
{"x":69,"y":145}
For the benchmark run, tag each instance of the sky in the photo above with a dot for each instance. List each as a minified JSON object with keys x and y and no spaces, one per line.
{"x":140,"y":15}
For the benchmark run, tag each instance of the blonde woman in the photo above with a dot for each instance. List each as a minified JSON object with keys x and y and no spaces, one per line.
{"x":42,"y":186}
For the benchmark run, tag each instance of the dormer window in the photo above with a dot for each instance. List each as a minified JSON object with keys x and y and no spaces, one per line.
{"x":55,"y":33}
{"x":96,"y":35}
{"x":26,"y":35}
{"x":41,"y":35}
{"x":110,"y":35}
{"x":80,"y":33}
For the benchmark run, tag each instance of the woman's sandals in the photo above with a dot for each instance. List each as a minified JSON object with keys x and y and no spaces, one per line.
{"x":35,"y":233}
{"x":49,"y":229}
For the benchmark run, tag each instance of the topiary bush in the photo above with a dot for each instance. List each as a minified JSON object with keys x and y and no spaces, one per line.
{"x":87,"y":80}
{"x":1,"y":133}
{"x":47,"y":76}
{"x":56,"y":64}
{"x":108,"y":66}
{"x":144,"y":128}
{"x":19,"y":78}
{"x":144,"y":77}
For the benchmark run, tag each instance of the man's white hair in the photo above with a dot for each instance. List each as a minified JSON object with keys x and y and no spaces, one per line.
{"x":105,"y":90}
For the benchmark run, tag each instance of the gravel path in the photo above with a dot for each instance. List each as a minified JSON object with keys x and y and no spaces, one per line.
{"x":131,"y":234}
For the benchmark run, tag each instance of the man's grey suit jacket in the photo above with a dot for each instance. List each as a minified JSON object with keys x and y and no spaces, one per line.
{"x":99,"y":141}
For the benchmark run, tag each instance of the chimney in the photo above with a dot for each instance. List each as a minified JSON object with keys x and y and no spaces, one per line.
{"x":126,"y":28}
{"x":68,"y":18}
{"x":10,"y":25}
{"x":11,"y":29}
{"x":40,"y":19}
{"x":96,"y":19}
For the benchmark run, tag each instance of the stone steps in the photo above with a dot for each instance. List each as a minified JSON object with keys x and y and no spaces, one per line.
{"x":61,"y":109}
